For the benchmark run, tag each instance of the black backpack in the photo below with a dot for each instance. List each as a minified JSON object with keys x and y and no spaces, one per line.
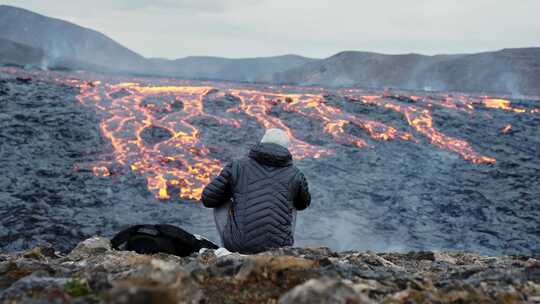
{"x":150,"y":239}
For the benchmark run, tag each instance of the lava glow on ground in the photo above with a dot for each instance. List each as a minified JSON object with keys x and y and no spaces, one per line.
{"x":388,"y":169}
{"x":180,"y":161}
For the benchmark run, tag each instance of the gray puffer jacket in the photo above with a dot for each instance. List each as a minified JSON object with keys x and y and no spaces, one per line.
{"x":265,"y":188}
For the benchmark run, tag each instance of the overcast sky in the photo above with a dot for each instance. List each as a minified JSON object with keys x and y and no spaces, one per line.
{"x":315,"y":28}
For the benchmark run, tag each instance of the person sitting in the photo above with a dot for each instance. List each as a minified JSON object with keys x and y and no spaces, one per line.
{"x":256,"y":197}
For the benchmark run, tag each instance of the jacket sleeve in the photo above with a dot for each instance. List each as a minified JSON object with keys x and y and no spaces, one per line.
{"x":218,"y":191}
{"x":302,"y":199}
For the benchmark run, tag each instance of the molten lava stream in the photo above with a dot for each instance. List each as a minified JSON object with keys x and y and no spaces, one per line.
{"x":501,"y":104}
{"x":258,"y":105}
{"x":178,"y":163}
{"x":422,"y":122}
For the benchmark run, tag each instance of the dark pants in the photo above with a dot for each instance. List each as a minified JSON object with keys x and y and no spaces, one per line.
{"x":221,"y":214}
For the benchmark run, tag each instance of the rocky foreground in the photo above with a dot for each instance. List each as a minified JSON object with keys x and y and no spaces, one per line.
{"x":93,"y":273}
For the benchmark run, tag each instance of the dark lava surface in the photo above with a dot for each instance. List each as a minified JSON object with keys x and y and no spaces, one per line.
{"x":396,"y":196}
{"x":45,"y":135}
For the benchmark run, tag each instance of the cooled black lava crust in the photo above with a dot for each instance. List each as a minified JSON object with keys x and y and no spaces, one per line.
{"x":398,"y":195}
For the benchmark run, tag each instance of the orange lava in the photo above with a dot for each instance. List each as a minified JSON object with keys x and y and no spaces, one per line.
{"x":422,"y":121}
{"x":258,"y":104}
{"x":501,"y":104}
{"x":180,"y":161}
{"x":497,"y":104}
{"x":179,"y":164}
{"x":101,"y":171}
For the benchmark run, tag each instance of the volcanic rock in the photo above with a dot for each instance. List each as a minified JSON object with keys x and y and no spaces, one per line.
{"x":24,"y":79}
{"x":90,"y":246}
{"x":154,"y":134}
{"x":323,"y":290}
{"x":120,"y":94}
{"x":93,"y":273}
{"x":62,"y":180}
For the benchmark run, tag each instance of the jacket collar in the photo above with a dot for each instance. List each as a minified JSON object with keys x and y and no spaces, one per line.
{"x":271,"y":155}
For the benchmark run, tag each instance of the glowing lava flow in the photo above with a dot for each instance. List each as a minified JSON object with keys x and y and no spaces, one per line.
{"x":501,"y":104}
{"x":179,"y":161}
{"x":257,"y":105}
{"x":422,"y":122}
{"x":334,"y":120}
{"x":150,"y":131}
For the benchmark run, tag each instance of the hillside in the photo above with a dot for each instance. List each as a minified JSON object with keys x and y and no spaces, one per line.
{"x":69,"y":46}
{"x":13,"y":53}
{"x":246,"y":69}
{"x":513,"y":71}
{"x":60,"y":39}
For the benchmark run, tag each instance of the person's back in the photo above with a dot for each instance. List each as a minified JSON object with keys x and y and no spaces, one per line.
{"x":266,"y":189}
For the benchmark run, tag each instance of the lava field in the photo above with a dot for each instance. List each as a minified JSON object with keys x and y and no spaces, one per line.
{"x":85,"y":154}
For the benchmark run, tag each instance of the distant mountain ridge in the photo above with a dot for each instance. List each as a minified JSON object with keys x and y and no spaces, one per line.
{"x":68,"y":46}
{"x":216,"y":68}
{"x":60,"y":39}
{"x":514,"y":71}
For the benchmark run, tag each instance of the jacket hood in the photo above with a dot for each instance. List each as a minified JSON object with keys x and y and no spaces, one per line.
{"x":271,"y":155}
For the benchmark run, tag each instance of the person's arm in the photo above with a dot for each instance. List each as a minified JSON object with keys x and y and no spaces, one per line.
{"x":218,"y":191}
{"x":302,"y":199}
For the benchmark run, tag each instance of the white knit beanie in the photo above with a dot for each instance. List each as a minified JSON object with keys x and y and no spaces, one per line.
{"x":276,"y":136}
